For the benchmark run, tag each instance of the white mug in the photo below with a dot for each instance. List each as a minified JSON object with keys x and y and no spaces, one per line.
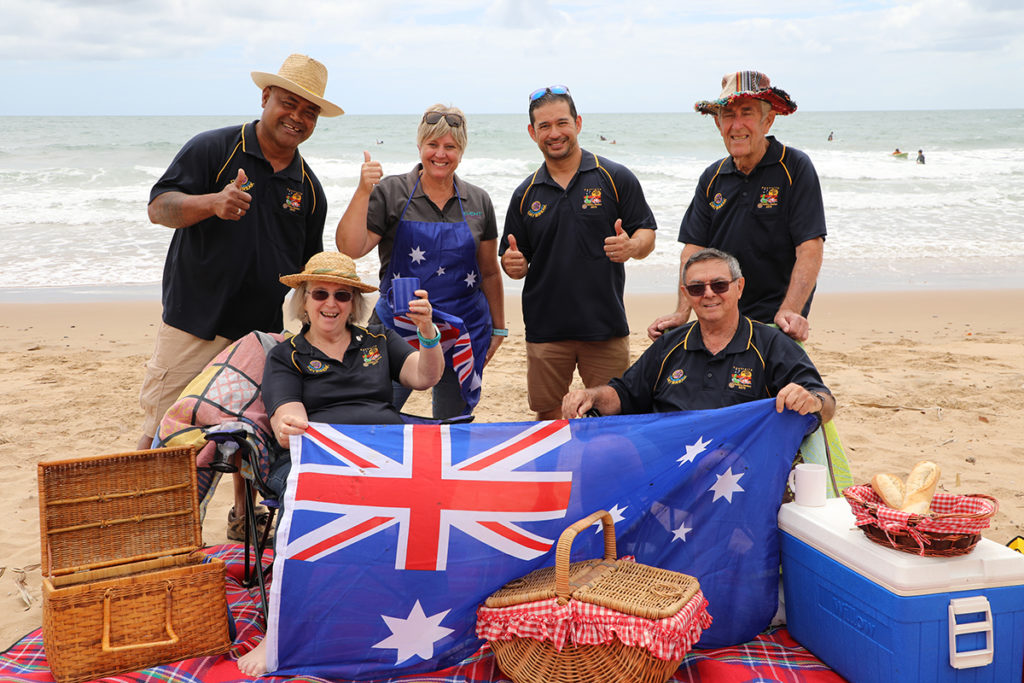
{"x":807,"y":480}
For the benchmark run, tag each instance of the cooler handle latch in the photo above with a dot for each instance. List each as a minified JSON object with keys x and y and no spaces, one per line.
{"x":969,"y":659}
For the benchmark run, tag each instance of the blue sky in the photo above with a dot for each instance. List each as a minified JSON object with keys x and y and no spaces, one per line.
{"x":391,"y":56}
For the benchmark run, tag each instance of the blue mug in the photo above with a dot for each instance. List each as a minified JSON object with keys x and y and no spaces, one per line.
{"x":401,"y":293}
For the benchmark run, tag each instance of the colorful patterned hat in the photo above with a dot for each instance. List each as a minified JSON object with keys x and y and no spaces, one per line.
{"x":329,"y":266}
{"x":748,"y":84}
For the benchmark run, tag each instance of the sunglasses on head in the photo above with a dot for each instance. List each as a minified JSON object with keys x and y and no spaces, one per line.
{"x":452,"y":119}
{"x":551,"y":89}
{"x":718,"y":287}
{"x":341,"y":295}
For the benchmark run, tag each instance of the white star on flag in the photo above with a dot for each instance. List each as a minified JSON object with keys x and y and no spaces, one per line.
{"x":440,"y":270}
{"x":470,"y":279}
{"x":416,"y":254}
{"x":415,"y":635}
{"x":726,"y":485}
{"x":616,"y":514}
{"x":680,"y":533}
{"x":693,"y":450}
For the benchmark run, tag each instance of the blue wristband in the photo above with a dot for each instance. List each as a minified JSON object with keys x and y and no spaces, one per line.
{"x":429,"y":343}
{"x":499,"y":332}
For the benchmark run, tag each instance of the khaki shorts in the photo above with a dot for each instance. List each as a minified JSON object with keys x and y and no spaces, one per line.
{"x":550,"y":365}
{"x":177,"y":359}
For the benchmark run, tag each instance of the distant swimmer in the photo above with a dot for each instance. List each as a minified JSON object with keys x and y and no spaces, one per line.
{"x":830,"y":135}
{"x":380,"y":142}
{"x":920,"y":156}
{"x":897,"y":152}
{"x":603,"y":137}
{"x":899,"y":155}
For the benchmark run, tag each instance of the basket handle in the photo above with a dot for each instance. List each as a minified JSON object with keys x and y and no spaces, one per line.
{"x":564,"y":549}
{"x":172,"y":636}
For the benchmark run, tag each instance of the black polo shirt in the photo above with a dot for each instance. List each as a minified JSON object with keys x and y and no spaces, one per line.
{"x":221,"y":277}
{"x":572,"y":290}
{"x":355,"y":390}
{"x":760,"y":219}
{"x":678,"y":373}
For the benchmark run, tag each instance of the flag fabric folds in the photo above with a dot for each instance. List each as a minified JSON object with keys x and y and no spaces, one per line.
{"x":392,"y":536}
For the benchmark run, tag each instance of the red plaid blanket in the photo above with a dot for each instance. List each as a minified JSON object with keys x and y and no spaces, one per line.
{"x":771,"y":657}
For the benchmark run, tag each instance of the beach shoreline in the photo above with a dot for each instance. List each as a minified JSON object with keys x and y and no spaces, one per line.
{"x":917,"y":374}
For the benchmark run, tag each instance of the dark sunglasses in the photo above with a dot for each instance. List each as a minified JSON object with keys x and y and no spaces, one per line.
{"x":341,"y":295}
{"x":718,"y":287}
{"x":453,"y":120}
{"x":551,"y":89}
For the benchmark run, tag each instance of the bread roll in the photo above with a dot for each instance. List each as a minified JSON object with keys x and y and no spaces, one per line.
{"x":920,"y":488}
{"x":889,"y":488}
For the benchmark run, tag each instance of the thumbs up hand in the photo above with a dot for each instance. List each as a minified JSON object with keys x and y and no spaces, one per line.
{"x":618,"y":248}
{"x":370,"y":173}
{"x":231,"y":203}
{"x":512,"y":261}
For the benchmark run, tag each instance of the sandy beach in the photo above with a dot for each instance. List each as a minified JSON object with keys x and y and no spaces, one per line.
{"x":917,"y":375}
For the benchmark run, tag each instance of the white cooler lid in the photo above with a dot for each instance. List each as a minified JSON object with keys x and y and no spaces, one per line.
{"x":832,"y":530}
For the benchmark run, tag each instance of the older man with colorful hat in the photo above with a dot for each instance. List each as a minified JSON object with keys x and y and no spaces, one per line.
{"x":762,"y":203}
{"x":245,"y":208}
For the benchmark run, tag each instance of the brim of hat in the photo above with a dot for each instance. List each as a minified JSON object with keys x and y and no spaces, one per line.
{"x":263,"y":79}
{"x":298,"y":278}
{"x":781,"y":104}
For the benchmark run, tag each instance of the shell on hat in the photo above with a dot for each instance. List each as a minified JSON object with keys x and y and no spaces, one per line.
{"x":329,"y":266}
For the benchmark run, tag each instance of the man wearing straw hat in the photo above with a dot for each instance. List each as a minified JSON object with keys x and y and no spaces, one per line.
{"x":245,"y":208}
{"x":762,"y":203}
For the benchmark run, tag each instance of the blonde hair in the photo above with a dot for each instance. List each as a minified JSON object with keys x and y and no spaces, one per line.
{"x":433,"y":131}
{"x":295,"y":306}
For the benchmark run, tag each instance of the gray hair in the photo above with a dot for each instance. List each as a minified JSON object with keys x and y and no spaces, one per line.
{"x":295,"y":306}
{"x":433,"y":131}
{"x":710,"y":254}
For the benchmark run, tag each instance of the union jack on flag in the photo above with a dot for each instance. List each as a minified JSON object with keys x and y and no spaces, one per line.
{"x":427,"y":496}
{"x":393,"y":535}
{"x":457,"y":347}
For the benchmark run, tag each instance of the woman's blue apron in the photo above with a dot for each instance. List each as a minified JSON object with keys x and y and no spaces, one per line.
{"x":443,"y":256}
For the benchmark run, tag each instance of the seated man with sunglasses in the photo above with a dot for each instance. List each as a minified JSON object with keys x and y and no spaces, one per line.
{"x":721,"y":359}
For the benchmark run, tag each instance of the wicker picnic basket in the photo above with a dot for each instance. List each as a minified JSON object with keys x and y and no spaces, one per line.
{"x":125,"y":586}
{"x":594,"y":621}
{"x":952,"y":528}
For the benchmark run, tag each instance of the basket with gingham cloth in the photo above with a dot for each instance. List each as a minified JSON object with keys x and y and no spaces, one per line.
{"x":595,"y":621}
{"x":952,"y":528}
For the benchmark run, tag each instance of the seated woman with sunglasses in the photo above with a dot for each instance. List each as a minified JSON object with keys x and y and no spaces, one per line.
{"x":334,"y":370}
{"x":431,"y":224}
{"x":720,"y":359}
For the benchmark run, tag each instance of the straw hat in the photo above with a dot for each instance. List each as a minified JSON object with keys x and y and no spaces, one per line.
{"x":748,"y":84}
{"x":329,"y":266}
{"x":303,"y":76}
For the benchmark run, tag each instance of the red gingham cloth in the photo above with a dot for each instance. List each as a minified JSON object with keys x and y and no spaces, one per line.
{"x":581,"y":623}
{"x":953,"y":514}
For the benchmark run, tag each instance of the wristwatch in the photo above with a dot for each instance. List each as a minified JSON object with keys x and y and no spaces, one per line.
{"x":820,"y":396}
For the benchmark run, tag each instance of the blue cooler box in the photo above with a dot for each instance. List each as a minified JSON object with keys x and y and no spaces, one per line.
{"x":877,"y":614}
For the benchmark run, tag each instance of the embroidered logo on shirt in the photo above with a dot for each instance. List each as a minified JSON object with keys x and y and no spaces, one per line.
{"x":592,"y":198}
{"x":248,"y":186}
{"x":676,"y":377}
{"x":292,"y":201}
{"x":317,"y":367}
{"x":742,"y":378}
{"x":371,"y":356}
{"x":536,"y":209}
{"x":769,"y":198}
{"x":718,"y":202}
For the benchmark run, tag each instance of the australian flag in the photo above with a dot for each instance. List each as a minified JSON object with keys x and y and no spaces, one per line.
{"x":393,"y":535}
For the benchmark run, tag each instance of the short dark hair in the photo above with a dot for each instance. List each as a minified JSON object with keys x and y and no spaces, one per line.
{"x":710,"y":254}
{"x":548,"y":98}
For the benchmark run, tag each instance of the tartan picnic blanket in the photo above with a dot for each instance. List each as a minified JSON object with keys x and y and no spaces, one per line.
{"x":771,"y":657}
{"x":226,"y":392}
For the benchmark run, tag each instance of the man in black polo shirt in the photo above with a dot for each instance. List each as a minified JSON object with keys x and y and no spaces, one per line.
{"x":569,"y":229}
{"x":245,"y":208}
{"x":762,"y":203}
{"x":723,"y":358}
